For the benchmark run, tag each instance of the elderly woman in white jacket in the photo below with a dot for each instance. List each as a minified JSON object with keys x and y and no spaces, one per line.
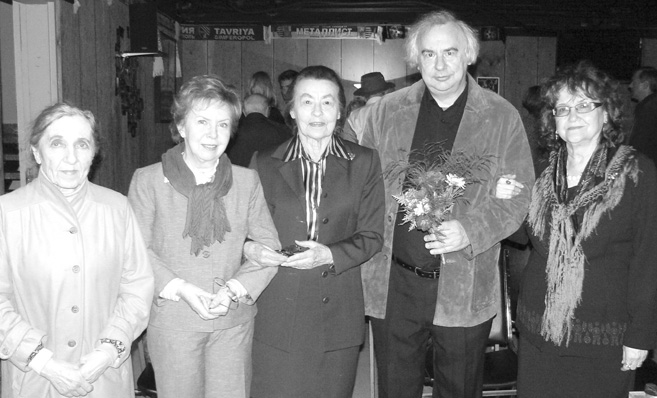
{"x":75,"y":279}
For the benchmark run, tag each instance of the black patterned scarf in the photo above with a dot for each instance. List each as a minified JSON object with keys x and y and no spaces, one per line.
{"x":206,"y":213}
{"x":600,"y":190}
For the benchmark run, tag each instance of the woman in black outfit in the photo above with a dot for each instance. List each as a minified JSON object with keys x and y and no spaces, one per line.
{"x":587,"y":312}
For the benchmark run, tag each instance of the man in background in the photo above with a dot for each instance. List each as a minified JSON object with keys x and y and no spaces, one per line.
{"x":255,"y":132}
{"x":644,"y":132}
{"x":285,"y":80}
{"x":373,"y":86}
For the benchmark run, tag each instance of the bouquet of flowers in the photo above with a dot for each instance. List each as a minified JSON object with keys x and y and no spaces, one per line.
{"x":434,"y":183}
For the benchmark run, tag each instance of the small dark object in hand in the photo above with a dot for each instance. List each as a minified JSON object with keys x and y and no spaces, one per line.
{"x":292,"y":250}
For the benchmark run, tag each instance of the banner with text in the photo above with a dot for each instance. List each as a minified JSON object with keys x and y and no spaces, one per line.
{"x":326,"y":32}
{"x":222,"y":32}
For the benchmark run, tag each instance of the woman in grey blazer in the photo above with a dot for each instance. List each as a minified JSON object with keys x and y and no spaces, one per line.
{"x":196,"y":211}
{"x":326,"y":198}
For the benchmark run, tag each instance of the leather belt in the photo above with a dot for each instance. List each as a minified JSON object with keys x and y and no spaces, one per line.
{"x":417,"y":270}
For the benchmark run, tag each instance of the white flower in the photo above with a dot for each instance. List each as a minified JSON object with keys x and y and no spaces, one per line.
{"x":455,"y":180}
{"x":419,"y":207}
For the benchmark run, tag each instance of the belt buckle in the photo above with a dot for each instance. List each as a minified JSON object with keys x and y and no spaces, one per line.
{"x":418,"y":272}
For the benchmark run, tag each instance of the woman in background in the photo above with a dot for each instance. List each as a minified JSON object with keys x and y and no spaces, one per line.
{"x":260,"y":83}
{"x":196,"y":211}
{"x":326,"y":198}
{"x":587,"y":312}
{"x":75,"y":283}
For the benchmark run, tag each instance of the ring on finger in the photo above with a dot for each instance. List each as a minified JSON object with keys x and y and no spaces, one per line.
{"x":508,"y":182}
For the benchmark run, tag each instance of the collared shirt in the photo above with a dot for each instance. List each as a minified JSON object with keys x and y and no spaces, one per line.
{"x":313,"y":174}
{"x":434,"y":124}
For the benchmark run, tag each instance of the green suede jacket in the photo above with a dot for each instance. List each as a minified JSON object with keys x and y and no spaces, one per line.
{"x":468,"y":291}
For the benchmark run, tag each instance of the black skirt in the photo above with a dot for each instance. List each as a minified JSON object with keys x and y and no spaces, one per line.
{"x":548,"y":375}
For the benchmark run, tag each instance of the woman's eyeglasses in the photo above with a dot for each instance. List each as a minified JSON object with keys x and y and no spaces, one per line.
{"x":582,"y":107}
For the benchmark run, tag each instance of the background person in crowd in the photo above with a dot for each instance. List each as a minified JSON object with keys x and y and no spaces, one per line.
{"x":644,"y":131}
{"x":373,"y":87}
{"x":356,"y":103}
{"x":255,"y":131}
{"x":587,"y":312}
{"x":409,"y":297}
{"x":196,"y":210}
{"x":326,"y":199}
{"x":285,"y":80}
{"x":260,"y":83}
{"x":75,"y":283}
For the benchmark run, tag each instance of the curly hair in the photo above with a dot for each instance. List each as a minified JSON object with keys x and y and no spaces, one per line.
{"x":437,"y":18}
{"x":202,"y":91}
{"x":588,"y":80}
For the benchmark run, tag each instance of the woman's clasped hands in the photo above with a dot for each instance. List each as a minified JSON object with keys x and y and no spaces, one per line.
{"x":208,"y":305}
{"x":313,"y":255}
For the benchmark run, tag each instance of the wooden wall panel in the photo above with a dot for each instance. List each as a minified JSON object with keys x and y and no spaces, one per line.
{"x":389,"y":60}
{"x":491,"y":62}
{"x":88,"y":79}
{"x":325,"y":52}
{"x":69,"y":44}
{"x":649,"y":52}
{"x":88,"y":41}
{"x":194,"y":58}
{"x":225,"y":60}
{"x":521,"y":73}
{"x":357,"y":60}
{"x":288,"y":54}
{"x":547,"y":58}
{"x":256,"y":56}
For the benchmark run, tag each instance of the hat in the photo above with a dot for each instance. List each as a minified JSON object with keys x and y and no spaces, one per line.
{"x":372,"y":83}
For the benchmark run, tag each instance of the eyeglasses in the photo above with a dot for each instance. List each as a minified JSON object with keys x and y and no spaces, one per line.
{"x":581,"y":108}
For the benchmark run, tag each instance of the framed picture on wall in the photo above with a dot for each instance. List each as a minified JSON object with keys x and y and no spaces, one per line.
{"x":491,"y":83}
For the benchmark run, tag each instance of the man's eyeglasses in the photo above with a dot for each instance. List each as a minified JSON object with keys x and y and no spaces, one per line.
{"x":582,"y":107}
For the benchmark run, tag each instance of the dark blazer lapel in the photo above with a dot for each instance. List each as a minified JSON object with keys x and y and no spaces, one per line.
{"x":336,"y":172}
{"x":291,"y":173}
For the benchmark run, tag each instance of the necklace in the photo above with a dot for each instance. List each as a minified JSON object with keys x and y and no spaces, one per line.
{"x":575,"y":177}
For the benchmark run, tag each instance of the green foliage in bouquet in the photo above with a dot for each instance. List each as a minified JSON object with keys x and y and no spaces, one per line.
{"x":434,"y":183}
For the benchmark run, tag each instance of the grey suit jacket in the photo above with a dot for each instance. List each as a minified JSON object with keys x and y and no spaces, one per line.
{"x":161,"y":213}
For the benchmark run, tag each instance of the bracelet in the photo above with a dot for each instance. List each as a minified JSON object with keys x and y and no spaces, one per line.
{"x":34,"y":353}
{"x":120,"y":347}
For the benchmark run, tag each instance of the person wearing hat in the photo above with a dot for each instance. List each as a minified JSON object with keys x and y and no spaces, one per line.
{"x":373,"y":87}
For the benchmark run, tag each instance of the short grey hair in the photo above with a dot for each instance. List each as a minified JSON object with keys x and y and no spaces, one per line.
{"x":436,"y":18}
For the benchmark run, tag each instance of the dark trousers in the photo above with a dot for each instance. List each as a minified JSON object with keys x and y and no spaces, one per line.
{"x":401,"y":339}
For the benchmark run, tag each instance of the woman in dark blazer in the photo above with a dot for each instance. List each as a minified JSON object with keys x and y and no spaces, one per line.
{"x":326,"y":197}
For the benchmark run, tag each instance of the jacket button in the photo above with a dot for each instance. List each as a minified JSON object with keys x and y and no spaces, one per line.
{"x":75,"y":309}
{"x":389,"y":218}
{"x":73,"y":230}
{"x":325,"y":300}
{"x":206,"y":254}
{"x":325,"y":220}
{"x":71,"y":343}
{"x":76,"y":269}
{"x":325,"y":274}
